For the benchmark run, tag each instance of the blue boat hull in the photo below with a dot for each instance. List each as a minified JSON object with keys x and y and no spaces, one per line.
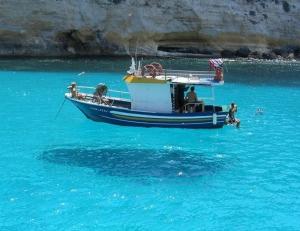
{"x":127,"y":117}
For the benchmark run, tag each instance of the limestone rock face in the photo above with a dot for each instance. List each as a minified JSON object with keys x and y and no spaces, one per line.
{"x":150,"y":27}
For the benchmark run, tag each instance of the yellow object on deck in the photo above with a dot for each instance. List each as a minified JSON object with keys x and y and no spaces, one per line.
{"x":135,"y":79}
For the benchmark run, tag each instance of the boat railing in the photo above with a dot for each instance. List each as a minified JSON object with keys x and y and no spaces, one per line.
{"x":121,"y":94}
{"x":110,"y":92}
{"x":189,"y":74}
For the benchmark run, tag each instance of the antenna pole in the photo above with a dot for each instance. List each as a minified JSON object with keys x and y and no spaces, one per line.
{"x":136,"y":44}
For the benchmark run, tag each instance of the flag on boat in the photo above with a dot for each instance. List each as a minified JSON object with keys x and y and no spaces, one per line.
{"x":215,"y":63}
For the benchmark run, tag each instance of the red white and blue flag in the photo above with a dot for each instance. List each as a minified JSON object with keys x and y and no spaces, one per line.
{"x":215,"y":63}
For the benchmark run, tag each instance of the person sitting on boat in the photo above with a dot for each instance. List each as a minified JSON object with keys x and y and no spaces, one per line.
{"x":191,"y":98}
{"x":74,"y":92}
{"x":231,"y":115}
{"x":100,"y":92}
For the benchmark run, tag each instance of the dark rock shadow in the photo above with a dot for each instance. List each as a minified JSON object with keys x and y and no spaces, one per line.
{"x":136,"y":162}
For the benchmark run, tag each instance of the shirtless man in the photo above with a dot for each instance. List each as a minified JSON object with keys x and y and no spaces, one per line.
{"x":231,"y":115}
{"x":191,"y":97}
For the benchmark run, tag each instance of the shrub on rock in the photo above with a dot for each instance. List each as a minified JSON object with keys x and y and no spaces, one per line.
{"x":227,"y":54}
{"x":243,"y":52}
{"x":271,"y":55}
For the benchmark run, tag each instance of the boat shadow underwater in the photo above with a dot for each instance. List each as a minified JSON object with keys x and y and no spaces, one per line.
{"x":133,"y":162}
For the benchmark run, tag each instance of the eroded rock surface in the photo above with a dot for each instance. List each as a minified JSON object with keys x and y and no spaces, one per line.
{"x":151,"y":27}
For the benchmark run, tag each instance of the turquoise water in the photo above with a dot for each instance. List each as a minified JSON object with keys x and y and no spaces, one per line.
{"x":70,"y":173}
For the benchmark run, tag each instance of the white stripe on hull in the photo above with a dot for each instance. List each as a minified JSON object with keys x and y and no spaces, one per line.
{"x":162,"y":117}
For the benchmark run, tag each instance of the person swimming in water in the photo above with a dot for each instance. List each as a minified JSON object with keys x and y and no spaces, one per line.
{"x":259,"y":111}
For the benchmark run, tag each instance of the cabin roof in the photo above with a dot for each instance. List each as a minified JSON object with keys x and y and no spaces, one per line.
{"x":163,"y":79}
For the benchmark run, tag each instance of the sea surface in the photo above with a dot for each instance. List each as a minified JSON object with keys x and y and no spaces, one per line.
{"x":60,"y":171}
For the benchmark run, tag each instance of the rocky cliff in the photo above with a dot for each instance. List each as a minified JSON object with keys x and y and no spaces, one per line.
{"x":153,"y":27}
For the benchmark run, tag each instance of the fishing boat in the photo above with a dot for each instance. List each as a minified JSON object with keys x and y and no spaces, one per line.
{"x":156,"y":97}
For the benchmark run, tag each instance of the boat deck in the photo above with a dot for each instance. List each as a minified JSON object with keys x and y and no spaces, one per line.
{"x":125,"y":103}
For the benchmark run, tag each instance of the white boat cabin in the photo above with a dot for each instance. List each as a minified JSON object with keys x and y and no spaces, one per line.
{"x":155,"y":89}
